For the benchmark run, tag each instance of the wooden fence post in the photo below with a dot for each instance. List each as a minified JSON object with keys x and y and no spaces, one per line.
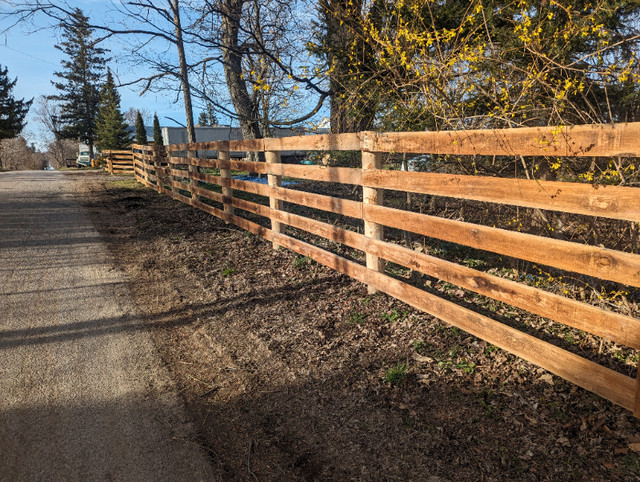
{"x":110,"y":163}
{"x":371,"y":160}
{"x":273,"y":157}
{"x":140,"y":179}
{"x":156,"y":165}
{"x":144,"y":169}
{"x":225,"y":175}
{"x":193,"y":169}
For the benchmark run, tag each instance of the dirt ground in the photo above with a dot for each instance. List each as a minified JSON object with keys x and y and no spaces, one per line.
{"x":291,"y":371}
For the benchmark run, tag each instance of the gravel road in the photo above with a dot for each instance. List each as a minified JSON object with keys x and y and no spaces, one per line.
{"x":83,"y":396}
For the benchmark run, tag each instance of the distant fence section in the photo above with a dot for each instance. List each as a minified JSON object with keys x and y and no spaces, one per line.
{"x":208,"y":184}
{"x":118,"y":162}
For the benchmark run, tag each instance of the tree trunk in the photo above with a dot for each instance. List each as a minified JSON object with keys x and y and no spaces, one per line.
{"x":349,"y":112}
{"x":184,"y":72}
{"x":245,"y":108}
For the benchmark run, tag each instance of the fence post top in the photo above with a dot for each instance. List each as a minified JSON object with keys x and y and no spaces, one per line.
{"x":368,"y":140}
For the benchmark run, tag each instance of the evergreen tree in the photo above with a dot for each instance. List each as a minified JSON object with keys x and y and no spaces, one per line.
{"x":208,"y":117}
{"x":157,"y":132}
{"x":111,"y":128}
{"x":12,"y":111}
{"x":141,"y":132}
{"x":79,"y":82}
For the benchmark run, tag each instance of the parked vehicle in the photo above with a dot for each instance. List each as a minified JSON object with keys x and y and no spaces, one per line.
{"x":84,"y":157}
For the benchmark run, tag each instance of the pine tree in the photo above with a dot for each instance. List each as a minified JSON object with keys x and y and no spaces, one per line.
{"x":111,"y":128}
{"x":79,"y":79}
{"x":157,"y":133}
{"x":12,"y":111}
{"x":141,"y":132}
{"x":208,"y":117}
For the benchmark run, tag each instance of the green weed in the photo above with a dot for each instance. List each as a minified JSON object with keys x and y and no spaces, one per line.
{"x":393,"y":316}
{"x":302,"y":261}
{"x":228,"y":271}
{"x":421,"y":347}
{"x":356,"y":318}
{"x":631,"y":461}
{"x":490,"y":350}
{"x":474,"y":263}
{"x":395,"y":376}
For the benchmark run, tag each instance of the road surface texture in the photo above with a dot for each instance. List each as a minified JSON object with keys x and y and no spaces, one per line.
{"x":83,"y":396}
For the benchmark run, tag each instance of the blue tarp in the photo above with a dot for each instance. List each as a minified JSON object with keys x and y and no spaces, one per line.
{"x":262,"y":180}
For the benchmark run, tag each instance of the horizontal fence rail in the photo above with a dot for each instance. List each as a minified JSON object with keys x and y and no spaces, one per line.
{"x":181,"y":178}
{"x":118,"y":162}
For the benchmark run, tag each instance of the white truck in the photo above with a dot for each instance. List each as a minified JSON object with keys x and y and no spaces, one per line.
{"x":84,"y":156}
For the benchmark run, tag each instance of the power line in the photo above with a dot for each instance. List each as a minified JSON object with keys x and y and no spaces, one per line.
{"x":29,"y":55}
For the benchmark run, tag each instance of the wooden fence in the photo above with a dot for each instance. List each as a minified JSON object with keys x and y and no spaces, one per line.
{"x":180,"y":177}
{"x":118,"y":162}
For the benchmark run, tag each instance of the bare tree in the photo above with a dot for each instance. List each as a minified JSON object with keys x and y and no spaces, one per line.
{"x":47,"y":113}
{"x":262,"y":64}
{"x":263,"y":61}
{"x":17,"y":155}
{"x":139,"y":19}
{"x":131,"y":115}
{"x":59,"y":153}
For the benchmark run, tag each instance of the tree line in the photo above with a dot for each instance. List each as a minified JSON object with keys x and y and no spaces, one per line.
{"x":375,"y":64}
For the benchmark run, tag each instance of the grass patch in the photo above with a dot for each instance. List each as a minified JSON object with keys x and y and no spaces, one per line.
{"x":127,"y":184}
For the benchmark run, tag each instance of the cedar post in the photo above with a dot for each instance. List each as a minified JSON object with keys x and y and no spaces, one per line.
{"x":156,"y":165}
{"x":273,"y":157}
{"x":110,"y":163}
{"x":145,"y":166}
{"x":225,"y":177}
{"x":193,"y":169}
{"x":371,"y":160}
{"x":138,"y":178}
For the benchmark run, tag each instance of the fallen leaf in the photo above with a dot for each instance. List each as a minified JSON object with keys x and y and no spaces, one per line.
{"x":621,"y":451}
{"x":546,"y":378}
{"x":421,"y":359}
{"x":422,"y":378}
{"x":635,"y":446}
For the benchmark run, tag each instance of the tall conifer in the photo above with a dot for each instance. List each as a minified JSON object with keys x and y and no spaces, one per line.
{"x":82,"y":71}
{"x":111,"y":128}
{"x":12,"y":111}
{"x":141,"y":132}
{"x":157,"y":132}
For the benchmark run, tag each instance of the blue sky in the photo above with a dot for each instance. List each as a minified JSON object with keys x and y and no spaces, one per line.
{"x":29,"y":54}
